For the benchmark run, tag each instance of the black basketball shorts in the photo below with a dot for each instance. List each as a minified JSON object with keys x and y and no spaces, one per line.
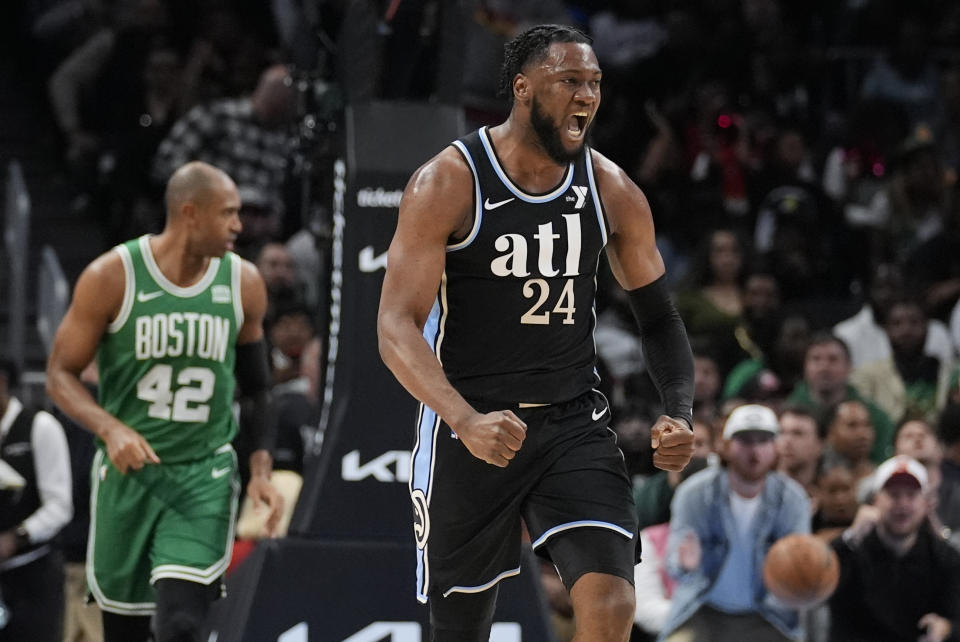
{"x":568,"y":474}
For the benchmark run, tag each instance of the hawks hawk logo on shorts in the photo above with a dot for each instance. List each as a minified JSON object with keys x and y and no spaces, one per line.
{"x":421,"y":518}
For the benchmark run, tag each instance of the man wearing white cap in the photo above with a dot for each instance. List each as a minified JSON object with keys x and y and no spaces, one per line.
{"x":724,"y":519}
{"x":898,"y":579}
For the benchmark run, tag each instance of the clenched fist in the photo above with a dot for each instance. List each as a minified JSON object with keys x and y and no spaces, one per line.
{"x":672,"y":443}
{"x":494,"y":437}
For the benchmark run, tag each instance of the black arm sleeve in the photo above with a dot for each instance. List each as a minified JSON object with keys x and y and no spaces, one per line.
{"x":666,"y":349}
{"x":253,"y":376}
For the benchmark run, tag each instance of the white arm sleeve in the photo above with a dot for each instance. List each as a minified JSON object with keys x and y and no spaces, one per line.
{"x":51,"y":459}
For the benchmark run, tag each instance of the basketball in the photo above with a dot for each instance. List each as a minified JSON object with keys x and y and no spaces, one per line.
{"x":801,"y":570}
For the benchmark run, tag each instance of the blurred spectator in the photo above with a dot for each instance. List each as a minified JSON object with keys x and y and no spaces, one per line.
{"x":855,"y":173}
{"x":619,"y":352}
{"x":653,"y":585}
{"x":246,"y":137}
{"x":912,"y":207}
{"x":770,"y":379}
{"x":294,"y":366}
{"x":907,"y":76}
{"x":934,"y":266}
{"x":295,"y":350}
{"x":627,"y":37}
{"x":948,"y":503}
{"x":719,"y":149}
{"x":104,"y":76}
{"x":793,"y":238}
{"x":128,"y":130}
{"x":898,"y":579}
{"x":712,"y":303}
{"x":864,"y":334}
{"x":262,"y":220}
{"x":910,"y":383}
{"x":826,"y":374}
{"x":723,"y":521}
{"x":707,"y":381}
{"x":488,"y":25}
{"x":762,"y":315}
{"x":632,"y":426}
{"x":228,"y":52}
{"x":850,"y":437}
{"x":790,"y":164}
{"x":836,"y":501}
{"x":35,"y":504}
{"x":800,"y":444}
{"x":305,"y":248}
{"x":946,"y":125}
{"x":280,"y":276}
{"x":917,"y":438}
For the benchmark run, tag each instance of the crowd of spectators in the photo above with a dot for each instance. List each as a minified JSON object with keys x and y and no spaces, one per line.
{"x":801,"y":162}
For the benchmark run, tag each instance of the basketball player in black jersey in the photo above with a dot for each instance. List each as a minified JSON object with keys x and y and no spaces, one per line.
{"x":487,"y":317}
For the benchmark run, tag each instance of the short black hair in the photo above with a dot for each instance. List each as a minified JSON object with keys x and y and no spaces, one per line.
{"x":9,"y":370}
{"x":801,"y":410}
{"x":830,"y":413}
{"x":532,"y":45}
{"x":825,"y":337}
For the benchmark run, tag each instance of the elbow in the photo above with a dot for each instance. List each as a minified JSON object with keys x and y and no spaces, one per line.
{"x":385,"y":342}
{"x":50,"y":383}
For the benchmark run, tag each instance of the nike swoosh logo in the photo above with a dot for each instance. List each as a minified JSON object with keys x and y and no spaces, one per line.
{"x":368,"y":262}
{"x":487,"y":205}
{"x":143,"y":297}
{"x":598,"y":413}
{"x":217,"y":473}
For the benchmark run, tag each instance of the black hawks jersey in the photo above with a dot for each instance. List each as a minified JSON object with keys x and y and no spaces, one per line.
{"x":514,"y":317}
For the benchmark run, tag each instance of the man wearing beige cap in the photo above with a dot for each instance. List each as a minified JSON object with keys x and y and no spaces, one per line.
{"x":724,"y":519}
{"x":898,"y":579}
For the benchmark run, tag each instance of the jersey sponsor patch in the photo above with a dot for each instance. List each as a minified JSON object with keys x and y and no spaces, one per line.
{"x":581,"y":192}
{"x":220,"y":293}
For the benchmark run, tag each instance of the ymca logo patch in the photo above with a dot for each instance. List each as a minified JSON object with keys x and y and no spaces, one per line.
{"x":581,"y":192}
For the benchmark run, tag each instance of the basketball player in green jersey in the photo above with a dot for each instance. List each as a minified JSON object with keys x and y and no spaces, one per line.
{"x":175,"y":321}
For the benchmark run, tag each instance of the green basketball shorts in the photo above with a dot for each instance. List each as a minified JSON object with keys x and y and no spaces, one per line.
{"x":162,"y":521}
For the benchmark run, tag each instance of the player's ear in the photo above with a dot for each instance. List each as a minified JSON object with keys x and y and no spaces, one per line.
{"x":521,"y":88}
{"x":188,"y":211}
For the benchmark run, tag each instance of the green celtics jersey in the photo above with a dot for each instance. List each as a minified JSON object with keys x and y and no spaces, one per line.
{"x":166,"y":361}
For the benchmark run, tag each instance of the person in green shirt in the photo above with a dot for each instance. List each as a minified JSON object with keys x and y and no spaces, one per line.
{"x":826,"y":382}
{"x":174,"y":321}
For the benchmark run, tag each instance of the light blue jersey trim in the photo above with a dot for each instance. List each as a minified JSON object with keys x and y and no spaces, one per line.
{"x":482,"y":587}
{"x":431,"y":329}
{"x":581,"y":524}
{"x":516,"y":191}
{"x":477,"y":197}
{"x":424,"y":453}
{"x":422,"y":460}
{"x":595,"y":193}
